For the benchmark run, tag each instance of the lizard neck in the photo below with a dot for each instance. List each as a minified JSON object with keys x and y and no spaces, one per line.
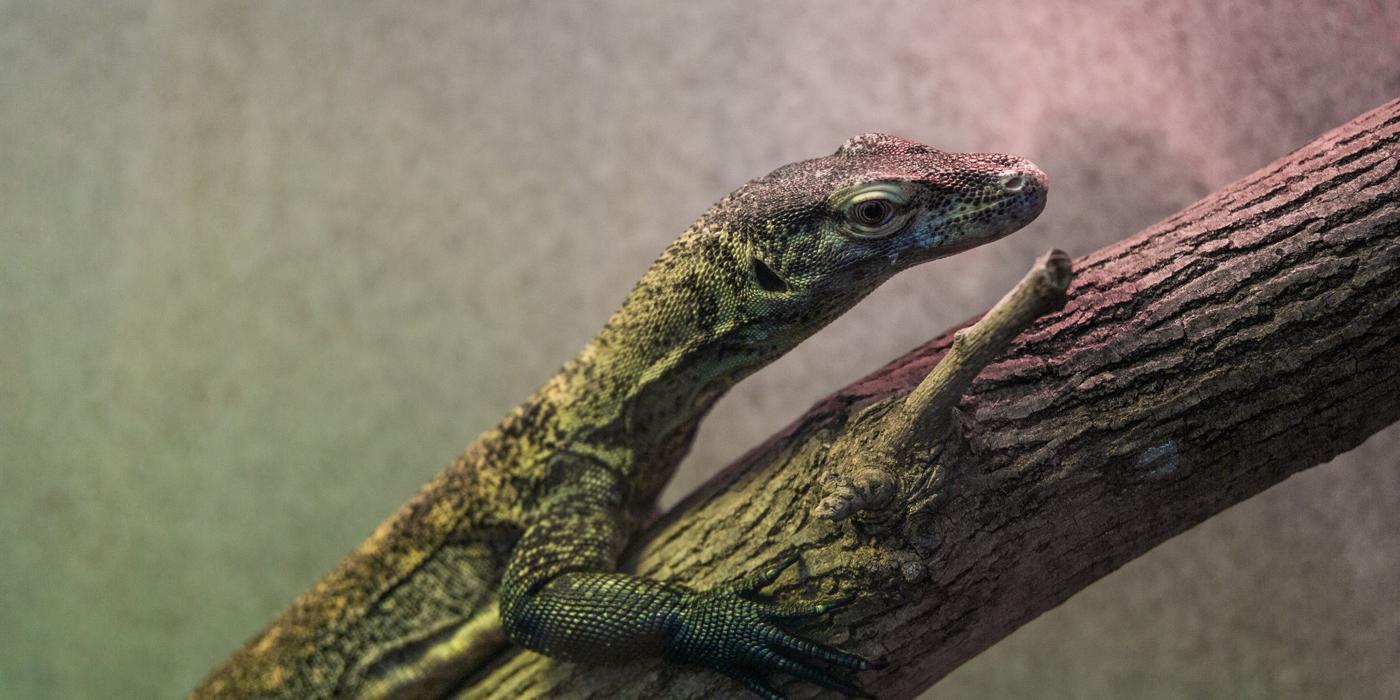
{"x":685,"y":334}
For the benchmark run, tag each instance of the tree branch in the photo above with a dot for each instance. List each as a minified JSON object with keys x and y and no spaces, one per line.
{"x":1255,"y":334}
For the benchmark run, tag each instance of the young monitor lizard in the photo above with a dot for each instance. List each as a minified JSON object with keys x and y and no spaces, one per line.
{"x":535,"y":513}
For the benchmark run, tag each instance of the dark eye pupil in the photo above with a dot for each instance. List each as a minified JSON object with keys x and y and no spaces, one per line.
{"x":874,"y":212}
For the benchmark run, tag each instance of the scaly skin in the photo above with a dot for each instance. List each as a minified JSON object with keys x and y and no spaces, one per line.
{"x":539,"y":508}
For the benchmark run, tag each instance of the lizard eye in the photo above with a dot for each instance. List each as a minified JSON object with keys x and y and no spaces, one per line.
{"x":875,"y":211}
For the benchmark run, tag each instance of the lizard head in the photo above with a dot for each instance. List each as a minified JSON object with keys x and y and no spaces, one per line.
{"x":782,"y":256}
{"x":839,"y":225}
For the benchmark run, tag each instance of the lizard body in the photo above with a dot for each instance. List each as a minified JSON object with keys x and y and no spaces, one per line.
{"x":534,"y":514}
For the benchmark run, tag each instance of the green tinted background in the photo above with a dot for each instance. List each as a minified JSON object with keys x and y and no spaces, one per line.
{"x":266,"y":267}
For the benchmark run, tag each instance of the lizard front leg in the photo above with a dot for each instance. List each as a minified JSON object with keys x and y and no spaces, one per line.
{"x":561,"y":597}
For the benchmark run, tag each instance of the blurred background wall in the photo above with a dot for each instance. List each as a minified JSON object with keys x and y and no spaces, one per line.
{"x":266,"y":267}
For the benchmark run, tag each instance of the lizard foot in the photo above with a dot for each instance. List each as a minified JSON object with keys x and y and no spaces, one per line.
{"x":725,"y":629}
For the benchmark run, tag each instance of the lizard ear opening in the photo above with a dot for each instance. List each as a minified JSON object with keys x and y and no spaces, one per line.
{"x":768,"y":279}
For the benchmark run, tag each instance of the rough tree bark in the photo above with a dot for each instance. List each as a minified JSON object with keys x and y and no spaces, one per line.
{"x":1255,"y":334}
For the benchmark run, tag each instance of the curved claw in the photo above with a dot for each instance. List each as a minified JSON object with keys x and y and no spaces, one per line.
{"x":821,"y":652}
{"x":797,"y":611}
{"x":758,"y":687}
{"x":760,"y":579}
{"x":812,"y":674}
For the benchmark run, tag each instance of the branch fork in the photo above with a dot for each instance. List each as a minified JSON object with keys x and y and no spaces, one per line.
{"x":890,"y":462}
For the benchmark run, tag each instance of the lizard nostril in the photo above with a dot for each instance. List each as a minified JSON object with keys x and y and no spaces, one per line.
{"x":1013,"y":182}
